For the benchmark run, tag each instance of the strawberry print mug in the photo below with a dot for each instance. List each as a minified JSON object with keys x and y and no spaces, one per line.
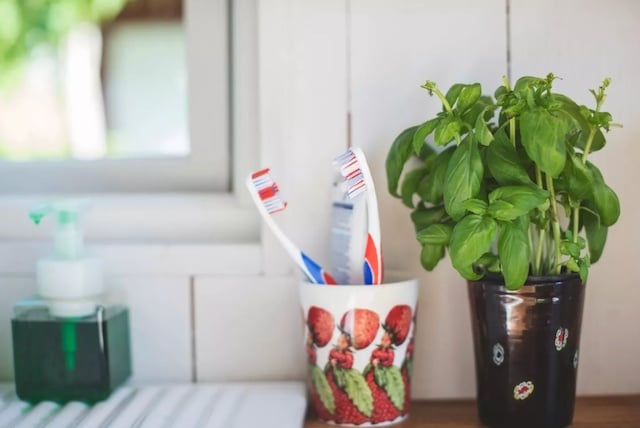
{"x":359,"y":348}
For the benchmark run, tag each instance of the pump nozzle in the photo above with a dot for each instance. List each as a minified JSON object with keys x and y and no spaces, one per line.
{"x":69,"y":243}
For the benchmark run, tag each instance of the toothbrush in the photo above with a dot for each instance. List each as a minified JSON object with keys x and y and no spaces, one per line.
{"x":353,"y":167}
{"x":265,"y":195}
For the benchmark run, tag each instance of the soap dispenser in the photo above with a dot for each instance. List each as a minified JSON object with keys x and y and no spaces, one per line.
{"x":68,"y":344}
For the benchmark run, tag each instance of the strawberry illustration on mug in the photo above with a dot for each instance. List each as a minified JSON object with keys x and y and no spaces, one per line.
{"x":320,"y":325}
{"x":354,"y":401}
{"x":384,"y":379}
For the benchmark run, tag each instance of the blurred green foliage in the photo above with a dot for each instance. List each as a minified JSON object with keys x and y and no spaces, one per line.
{"x":28,"y":24}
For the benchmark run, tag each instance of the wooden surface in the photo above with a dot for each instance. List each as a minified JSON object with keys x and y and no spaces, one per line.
{"x":591,"y":412}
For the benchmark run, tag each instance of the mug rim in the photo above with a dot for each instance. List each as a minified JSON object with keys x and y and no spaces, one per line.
{"x":397,"y":278}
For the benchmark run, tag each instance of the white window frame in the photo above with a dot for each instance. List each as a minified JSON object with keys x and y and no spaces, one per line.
{"x":194,"y":231}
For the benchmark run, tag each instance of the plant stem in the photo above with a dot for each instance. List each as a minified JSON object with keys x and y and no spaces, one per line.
{"x":585,"y":153}
{"x":541,"y":243}
{"x":512,"y":131}
{"x":576,"y":220}
{"x":587,"y":147}
{"x":542,"y":234}
{"x":443,"y":99}
{"x":555,"y":223}
{"x":512,"y":121}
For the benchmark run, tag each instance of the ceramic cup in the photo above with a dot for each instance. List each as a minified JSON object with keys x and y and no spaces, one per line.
{"x":359,"y":347}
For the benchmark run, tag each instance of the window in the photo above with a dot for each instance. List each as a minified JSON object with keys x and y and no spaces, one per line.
{"x":139,"y":190}
{"x":140,"y":104}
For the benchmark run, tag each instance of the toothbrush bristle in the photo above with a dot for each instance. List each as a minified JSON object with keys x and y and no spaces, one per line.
{"x":268,"y":191}
{"x":349,"y":167}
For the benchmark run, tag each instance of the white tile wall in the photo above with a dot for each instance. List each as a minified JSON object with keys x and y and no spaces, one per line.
{"x":248,"y":328}
{"x":160,"y":311}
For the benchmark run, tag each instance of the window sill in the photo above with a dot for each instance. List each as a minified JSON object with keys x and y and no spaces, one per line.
{"x":20,"y":257}
{"x":144,"y":234}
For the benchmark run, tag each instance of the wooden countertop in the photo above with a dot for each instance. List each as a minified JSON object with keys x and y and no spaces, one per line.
{"x":590,"y":412}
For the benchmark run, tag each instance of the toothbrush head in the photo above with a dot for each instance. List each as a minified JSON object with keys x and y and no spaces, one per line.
{"x":267,"y":191}
{"x":351,"y":165}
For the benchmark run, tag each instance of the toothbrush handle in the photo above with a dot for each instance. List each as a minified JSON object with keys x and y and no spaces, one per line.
{"x":314,"y":272}
{"x":372,"y":263}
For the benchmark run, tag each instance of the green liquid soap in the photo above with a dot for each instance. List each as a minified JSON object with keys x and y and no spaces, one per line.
{"x":70,"y":359}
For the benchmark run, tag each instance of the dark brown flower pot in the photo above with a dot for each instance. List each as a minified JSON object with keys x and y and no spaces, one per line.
{"x":526,"y":347}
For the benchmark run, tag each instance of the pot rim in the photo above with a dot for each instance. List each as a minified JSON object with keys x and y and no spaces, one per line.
{"x":531,"y":280}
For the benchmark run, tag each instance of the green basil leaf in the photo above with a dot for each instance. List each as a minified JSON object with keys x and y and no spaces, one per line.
{"x":431,"y":187}
{"x":446,"y":130}
{"x":430,"y":256}
{"x":483,"y":106}
{"x":504,"y":163}
{"x":463,"y":178}
{"x":500,"y":93}
{"x":514,"y":252}
{"x":543,"y":137}
{"x":522,"y":198}
{"x":453,"y":93}
{"x":489,"y":262}
{"x":503,"y":211}
{"x":607,"y":204}
{"x":423,"y":217}
{"x":598,"y":141}
{"x":476,"y":206}
{"x":437,"y":234}
{"x":584,"y":271}
{"x":468,"y":96}
{"x":569,"y":248}
{"x":570,"y":107}
{"x":482,"y":131}
{"x":578,"y":178}
{"x":398,"y":155}
{"x":410,"y":184}
{"x":471,"y":238}
{"x":596,"y":235}
{"x":572,"y":265}
{"x":422,"y":133}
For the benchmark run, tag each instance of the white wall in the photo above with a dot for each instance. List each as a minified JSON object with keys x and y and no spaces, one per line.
{"x":210,"y":314}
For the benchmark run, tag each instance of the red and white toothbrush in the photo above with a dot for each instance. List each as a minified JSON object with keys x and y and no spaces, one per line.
{"x":354,"y":168}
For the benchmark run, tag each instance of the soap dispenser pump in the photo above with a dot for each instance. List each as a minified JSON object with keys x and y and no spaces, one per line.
{"x":67,"y":344}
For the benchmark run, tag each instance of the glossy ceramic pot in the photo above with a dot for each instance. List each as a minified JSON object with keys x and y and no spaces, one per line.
{"x":526,"y":346}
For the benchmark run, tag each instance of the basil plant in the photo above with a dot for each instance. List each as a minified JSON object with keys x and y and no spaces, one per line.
{"x":505,"y":183}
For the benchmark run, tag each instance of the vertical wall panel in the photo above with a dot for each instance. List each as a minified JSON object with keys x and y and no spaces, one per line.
{"x":395,"y":48}
{"x":160,"y":326}
{"x":584,"y":41}
{"x":248,"y":328}
{"x":303,"y":121}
